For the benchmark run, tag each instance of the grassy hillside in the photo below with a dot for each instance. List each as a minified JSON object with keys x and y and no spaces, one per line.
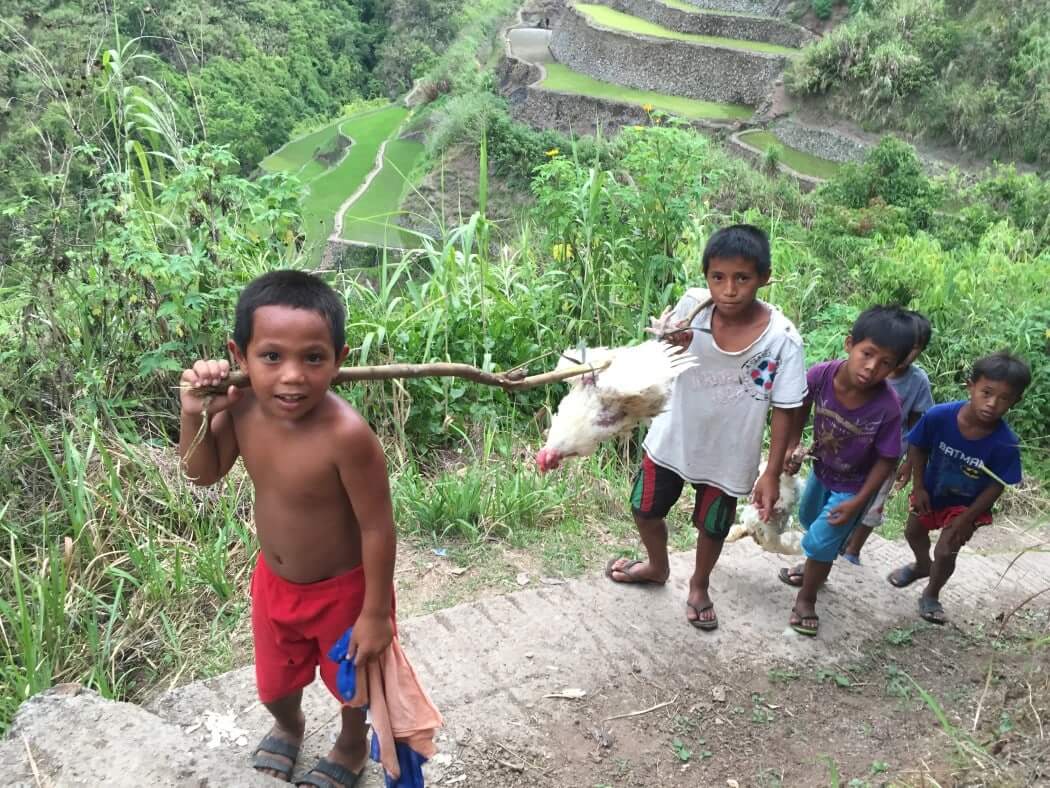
{"x":972,"y":72}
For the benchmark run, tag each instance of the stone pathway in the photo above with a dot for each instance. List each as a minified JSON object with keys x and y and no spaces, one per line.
{"x":489,"y":662}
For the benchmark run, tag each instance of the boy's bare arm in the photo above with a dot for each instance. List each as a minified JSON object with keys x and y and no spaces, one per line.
{"x":363,"y":471}
{"x":848,"y":509}
{"x":920,"y":499}
{"x":981,"y":504}
{"x":207,"y":455}
{"x":799,"y":417}
{"x":767,"y":488}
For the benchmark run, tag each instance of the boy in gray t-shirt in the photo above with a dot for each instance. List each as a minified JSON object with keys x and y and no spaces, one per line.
{"x":912,"y":387}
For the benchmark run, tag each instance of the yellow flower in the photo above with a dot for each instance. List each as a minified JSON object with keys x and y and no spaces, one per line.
{"x":552,"y":153}
{"x":637,"y":128}
{"x":561,"y":252}
{"x":648,"y":107}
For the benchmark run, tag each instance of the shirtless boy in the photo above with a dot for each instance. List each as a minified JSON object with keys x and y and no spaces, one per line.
{"x":322,"y":507}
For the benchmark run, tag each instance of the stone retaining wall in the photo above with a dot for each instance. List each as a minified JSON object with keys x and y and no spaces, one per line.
{"x":680,"y":68}
{"x":763,"y":7}
{"x":748,"y":28}
{"x":815,"y":141}
{"x":575,"y":114}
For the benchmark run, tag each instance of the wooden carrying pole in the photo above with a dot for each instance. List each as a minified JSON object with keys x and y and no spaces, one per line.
{"x":514,"y":380}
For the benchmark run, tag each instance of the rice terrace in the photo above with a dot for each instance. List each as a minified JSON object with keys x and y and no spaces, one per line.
{"x":359,"y":354}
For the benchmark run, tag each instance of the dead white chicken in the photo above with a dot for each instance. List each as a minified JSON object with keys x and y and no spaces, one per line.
{"x":636,"y":385}
{"x":776,"y":535}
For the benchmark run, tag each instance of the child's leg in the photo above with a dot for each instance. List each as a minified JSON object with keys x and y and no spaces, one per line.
{"x":810,"y":505}
{"x":821,"y":546}
{"x":289,"y":727}
{"x":872,"y":519}
{"x":950,"y":542}
{"x":813,"y":577}
{"x":713,"y":516}
{"x":655,"y":491}
{"x":351,"y":746}
{"x":918,"y":536}
{"x":856,"y":542}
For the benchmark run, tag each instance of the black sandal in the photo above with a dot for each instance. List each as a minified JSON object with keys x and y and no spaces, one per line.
{"x":269,"y":753}
{"x":332,"y":775}
{"x":792,"y":576}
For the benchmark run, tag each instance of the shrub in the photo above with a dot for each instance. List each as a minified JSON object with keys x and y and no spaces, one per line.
{"x":822,"y":8}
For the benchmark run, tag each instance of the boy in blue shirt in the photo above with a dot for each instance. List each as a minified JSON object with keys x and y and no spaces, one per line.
{"x":962,"y":454}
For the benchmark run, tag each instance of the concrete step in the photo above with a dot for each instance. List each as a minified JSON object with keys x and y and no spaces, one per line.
{"x":489,"y":664}
{"x":687,"y":18}
{"x":594,"y":40}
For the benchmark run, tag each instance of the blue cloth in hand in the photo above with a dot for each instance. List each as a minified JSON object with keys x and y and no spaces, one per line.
{"x":411,"y":762}
{"x":346,"y":678}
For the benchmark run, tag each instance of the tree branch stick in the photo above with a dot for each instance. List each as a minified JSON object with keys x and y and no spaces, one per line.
{"x":514,"y":380}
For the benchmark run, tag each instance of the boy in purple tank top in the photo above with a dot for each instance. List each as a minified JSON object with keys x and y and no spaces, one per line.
{"x":857,"y":443}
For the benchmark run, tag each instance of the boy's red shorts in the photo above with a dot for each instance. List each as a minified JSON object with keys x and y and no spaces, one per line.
{"x":938,"y":518}
{"x":295,"y":625}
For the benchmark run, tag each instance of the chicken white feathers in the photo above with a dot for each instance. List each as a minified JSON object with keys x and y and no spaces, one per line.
{"x":600,"y":405}
{"x":776,"y":535}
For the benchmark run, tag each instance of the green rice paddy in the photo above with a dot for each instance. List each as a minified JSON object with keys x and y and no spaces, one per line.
{"x":792,"y":157}
{"x":370,"y":218}
{"x":616,"y":20}
{"x":329,"y":186}
{"x":565,"y":80}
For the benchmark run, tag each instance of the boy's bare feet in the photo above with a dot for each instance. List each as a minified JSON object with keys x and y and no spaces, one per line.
{"x":626,"y":570}
{"x":276,"y":753}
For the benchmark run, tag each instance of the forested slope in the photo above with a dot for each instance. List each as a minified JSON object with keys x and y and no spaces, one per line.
{"x":975,"y":73}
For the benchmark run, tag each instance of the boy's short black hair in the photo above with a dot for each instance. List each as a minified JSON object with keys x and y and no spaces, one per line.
{"x":295,"y":289}
{"x":888,"y":327}
{"x":923,"y":329}
{"x":740,"y":240}
{"x":1004,"y":366}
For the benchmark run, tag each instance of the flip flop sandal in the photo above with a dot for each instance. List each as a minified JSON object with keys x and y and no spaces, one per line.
{"x":330,"y":774}
{"x":903,"y":576}
{"x":790,"y":576}
{"x":706,"y":625}
{"x":799,"y":627}
{"x":267,"y":756}
{"x":928,"y":610}
{"x":625,"y":570}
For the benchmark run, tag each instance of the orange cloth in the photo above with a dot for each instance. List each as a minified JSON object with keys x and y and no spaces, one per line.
{"x":400,"y":708}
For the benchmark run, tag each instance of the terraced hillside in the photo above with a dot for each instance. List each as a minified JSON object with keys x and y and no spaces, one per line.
{"x":342,"y":161}
{"x":713,"y":63}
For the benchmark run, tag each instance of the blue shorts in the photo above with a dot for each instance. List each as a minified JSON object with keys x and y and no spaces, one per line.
{"x":823,"y":541}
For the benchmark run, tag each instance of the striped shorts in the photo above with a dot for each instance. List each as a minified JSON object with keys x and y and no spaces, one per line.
{"x":656,"y":489}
